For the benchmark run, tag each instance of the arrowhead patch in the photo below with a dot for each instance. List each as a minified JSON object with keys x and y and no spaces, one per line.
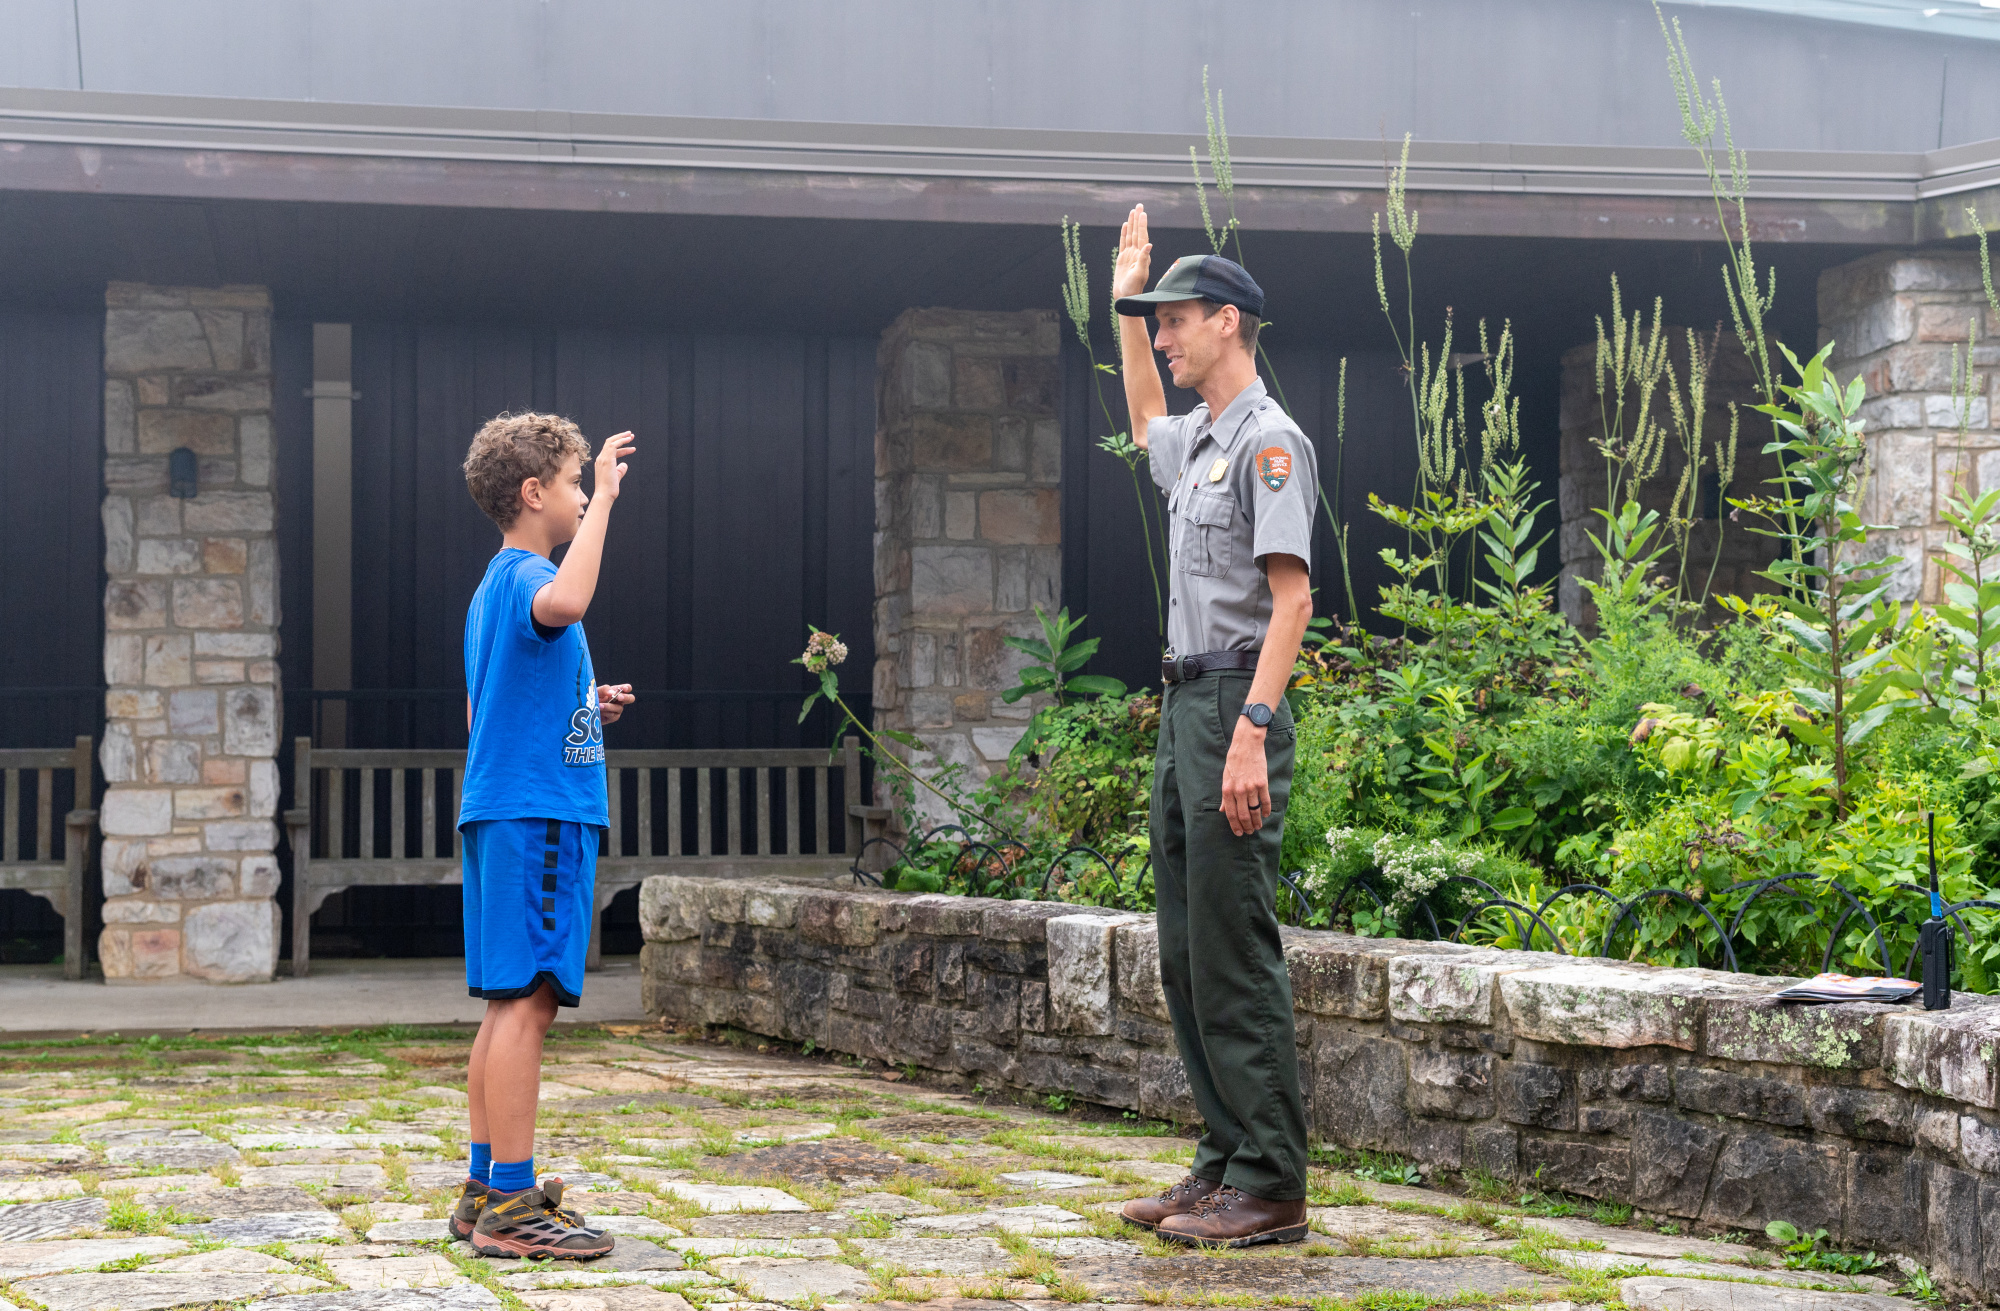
{"x":1274,"y":466}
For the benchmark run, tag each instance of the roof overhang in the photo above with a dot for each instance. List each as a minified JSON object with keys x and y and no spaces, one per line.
{"x":200,"y":148}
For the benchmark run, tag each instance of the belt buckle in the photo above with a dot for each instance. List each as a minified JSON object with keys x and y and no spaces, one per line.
{"x":1190,"y":669}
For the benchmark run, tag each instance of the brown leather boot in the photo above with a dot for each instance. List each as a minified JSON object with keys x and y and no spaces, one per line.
{"x":1229,"y":1217}
{"x":1147,"y":1212}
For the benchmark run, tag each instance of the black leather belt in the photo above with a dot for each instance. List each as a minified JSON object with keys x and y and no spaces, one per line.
{"x":1187,"y":668}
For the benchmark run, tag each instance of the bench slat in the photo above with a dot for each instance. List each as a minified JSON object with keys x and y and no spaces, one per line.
{"x":734,"y":796}
{"x":366,"y":850}
{"x":27,"y":874}
{"x":702,"y":829}
{"x":429,"y":845}
{"x":10,"y":814}
{"x":336,"y":812}
{"x":676,"y":839}
{"x":362,"y":758}
{"x":399,"y":805}
{"x":821,"y":804}
{"x":791,"y":810}
{"x":734,"y":759}
{"x":645,"y":812}
{"x":37,"y":758}
{"x":760,"y":779}
{"x":45,"y":789}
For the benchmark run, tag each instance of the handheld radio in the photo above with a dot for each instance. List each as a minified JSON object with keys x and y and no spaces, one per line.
{"x":1934,"y":939}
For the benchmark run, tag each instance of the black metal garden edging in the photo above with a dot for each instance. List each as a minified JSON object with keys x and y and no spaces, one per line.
{"x":1121,"y":896}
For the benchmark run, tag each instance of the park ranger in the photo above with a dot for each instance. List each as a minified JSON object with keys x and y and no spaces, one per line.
{"x":1240,"y":480}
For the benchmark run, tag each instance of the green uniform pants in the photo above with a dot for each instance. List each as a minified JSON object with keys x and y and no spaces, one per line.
{"x":1221,"y":962}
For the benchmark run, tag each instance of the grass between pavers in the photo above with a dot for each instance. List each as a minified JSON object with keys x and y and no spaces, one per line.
{"x":479,"y":1274}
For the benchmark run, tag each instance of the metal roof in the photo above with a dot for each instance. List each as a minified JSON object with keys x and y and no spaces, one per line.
{"x":550,"y":160}
{"x":1979,"y":19}
{"x":1572,"y":72}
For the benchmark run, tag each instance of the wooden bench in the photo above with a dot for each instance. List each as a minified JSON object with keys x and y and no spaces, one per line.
{"x":365,"y":818}
{"x":35,"y":867}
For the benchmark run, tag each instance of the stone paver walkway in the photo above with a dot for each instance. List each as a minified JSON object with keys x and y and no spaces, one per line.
{"x":311,"y":1172}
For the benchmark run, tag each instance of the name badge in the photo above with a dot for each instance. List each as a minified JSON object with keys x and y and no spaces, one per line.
{"x":1216,"y":470}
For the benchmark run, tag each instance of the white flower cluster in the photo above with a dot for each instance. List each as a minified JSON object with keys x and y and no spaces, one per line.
{"x":1344,"y":843}
{"x":1414,"y":869}
{"x":823,"y":652}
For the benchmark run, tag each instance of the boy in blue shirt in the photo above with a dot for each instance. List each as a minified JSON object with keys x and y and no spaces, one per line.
{"x":532,"y":807}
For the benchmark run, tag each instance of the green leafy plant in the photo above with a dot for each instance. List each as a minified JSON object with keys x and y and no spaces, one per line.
{"x":1056,"y":659}
{"x":1387,"y":1168}
{"x":1918,"y":1284}
{"x":1832,"y":605}
{"x":1807,"y":1251}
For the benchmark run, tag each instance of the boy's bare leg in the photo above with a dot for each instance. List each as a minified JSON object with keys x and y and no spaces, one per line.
{"x":504,"y":1080}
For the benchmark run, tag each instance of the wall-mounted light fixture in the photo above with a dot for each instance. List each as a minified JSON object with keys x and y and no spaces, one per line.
{"x":183,"y":478}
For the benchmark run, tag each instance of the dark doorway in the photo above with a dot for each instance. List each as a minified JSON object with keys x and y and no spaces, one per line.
{"x":51,"y":576}
{"x":748,"y":514}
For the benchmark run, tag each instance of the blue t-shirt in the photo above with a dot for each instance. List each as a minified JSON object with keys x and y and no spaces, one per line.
{"x":537,"y":743}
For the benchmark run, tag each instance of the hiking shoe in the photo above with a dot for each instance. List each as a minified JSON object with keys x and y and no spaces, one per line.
{"x":1230,"y":1217}
{"x":530,"y":1223}
{"x":471,"y":1200}
{"x":1147,"y":1212}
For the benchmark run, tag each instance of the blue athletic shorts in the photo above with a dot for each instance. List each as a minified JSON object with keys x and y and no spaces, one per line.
{"x":530,"y":897}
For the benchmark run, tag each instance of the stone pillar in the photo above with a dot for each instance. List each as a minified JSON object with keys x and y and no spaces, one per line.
{"x":1894,"y":318}
{"x":1584,"y":489}
{"x":191,"y":638}
{"x":968,"y":525}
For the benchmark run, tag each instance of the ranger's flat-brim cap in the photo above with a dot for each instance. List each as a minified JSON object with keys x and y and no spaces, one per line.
{"x":1199,"y":277}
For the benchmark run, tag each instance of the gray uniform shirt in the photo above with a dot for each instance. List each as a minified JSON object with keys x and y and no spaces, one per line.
{"x":1239,"y":488}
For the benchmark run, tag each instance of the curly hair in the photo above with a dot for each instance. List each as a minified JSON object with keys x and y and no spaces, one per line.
{"x":512,"y":448}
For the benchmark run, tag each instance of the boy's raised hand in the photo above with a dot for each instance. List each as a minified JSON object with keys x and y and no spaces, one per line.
{"x":610,"y":470}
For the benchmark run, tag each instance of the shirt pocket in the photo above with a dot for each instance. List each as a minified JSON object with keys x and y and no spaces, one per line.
{"x":1206,"y":521}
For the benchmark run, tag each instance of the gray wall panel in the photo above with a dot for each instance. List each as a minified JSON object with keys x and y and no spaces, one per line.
{"x":1544,"y":71}
{"x":39,"y":45}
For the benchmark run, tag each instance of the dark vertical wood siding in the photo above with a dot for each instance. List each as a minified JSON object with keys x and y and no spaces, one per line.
{"x":51,"y":572}
{"x":748,"y":513}
{"x":51,"y":541}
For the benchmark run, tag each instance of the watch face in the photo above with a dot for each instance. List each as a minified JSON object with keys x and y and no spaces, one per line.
{"x":1259,"y":713}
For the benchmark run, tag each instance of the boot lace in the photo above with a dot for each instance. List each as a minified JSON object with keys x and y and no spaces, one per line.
{"x":1219,"y":1200}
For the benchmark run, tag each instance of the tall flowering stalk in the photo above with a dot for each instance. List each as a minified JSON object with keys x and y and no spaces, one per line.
{"x":1705,"y":126}
{"x":1222,"y":164}
{"x":824,"y":653}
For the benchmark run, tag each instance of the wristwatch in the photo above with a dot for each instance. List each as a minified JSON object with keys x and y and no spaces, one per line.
{"x":1258,"y":713}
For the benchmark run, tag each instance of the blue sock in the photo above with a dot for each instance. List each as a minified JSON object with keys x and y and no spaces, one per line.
{"x":482,"y":1161}
{"x":512,"y":1176}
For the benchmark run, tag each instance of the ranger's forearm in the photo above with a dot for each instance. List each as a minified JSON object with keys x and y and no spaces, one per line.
{"x":1145,"y":399}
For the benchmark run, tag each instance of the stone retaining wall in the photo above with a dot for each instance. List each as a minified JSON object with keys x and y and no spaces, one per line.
{"x":1688,"y":1093}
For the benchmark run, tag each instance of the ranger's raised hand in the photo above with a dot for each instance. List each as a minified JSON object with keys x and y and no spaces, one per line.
{"x":1135,"y":255}
{"x":1145,"y":398}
